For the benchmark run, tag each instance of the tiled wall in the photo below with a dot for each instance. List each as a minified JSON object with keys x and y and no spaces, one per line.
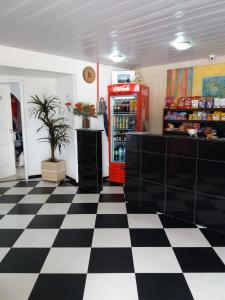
{"x":178,"y":176}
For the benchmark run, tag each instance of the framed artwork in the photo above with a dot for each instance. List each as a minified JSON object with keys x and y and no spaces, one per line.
{"x":213,"y":86}
{"x":179,"y":82}
{"x":123,"y":76}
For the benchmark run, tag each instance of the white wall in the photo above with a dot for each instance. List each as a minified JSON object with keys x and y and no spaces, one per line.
{"x":15,"y":89}
{"x":35,"y":151}
{"x":155,"y":77}
{"x":31,"y":67}
{"x":65,"y":92}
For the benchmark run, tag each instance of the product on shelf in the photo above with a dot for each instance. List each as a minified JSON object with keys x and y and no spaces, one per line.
{"x":216,"y":116}
{"x":209,"y":103}
{"x":171,"y":115}
{"x":222,"y":102}
{"x":119,"y":153}
{"x":122,"y":107}
{"x":194,"y":102}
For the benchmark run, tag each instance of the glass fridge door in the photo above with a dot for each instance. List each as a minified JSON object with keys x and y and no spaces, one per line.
{"x":123,"y":110}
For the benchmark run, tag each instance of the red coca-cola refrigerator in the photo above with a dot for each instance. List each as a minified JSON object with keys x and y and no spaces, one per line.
{"x":128,"y":111}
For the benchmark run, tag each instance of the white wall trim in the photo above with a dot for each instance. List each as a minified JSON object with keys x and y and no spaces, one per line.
{"x":22,"y":110}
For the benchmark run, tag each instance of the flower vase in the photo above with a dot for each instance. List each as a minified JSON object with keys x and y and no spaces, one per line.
{"x":85,"y":122}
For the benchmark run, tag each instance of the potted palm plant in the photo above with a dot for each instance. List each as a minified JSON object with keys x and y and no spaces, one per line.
{"x":47,"y":110}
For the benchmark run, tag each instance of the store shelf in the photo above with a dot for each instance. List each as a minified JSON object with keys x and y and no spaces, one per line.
{"x":175,"y":132}
{"x":195,"y":121}
{"x":117,"y":129}
{"x":193,"y":109}
{"x":119,"y":142}
{"x":180,"y":133}
{"x":124,"y":114}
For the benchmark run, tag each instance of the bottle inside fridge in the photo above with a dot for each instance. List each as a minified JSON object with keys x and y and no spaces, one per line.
{"x":123,"y":119}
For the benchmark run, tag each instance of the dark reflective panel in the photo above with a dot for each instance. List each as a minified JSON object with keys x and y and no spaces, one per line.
{"x":153,"y":167}
{"x":133,"y":164}
{"x":181,"y":172}
{"x":180,"y":203}
{"x":182,"y":146}
{"x":87,"y":136}
{"x":133,"y":142}
{"x":152,"y":196}
{"x":89,"y":155}
{"x":214,"y":150}
{"x":88,"y":179}
{"x":90,"y":159}
{"x":155,"y":144}
{"x":210,"y":212}
{"x":211,"y":178}
{"x":132,"y":190}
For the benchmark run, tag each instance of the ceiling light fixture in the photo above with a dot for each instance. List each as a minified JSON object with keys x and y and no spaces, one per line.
{"x":117,"y":57}
{"x":182,"y":45}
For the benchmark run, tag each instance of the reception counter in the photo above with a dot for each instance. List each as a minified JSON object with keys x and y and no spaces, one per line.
{"x":179,"y":176}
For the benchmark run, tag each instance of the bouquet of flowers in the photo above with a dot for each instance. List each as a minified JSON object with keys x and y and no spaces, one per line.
{"x":85,"y":110}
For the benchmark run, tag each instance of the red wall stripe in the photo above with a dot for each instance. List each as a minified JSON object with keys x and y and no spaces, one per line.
{"x":97,"y":81}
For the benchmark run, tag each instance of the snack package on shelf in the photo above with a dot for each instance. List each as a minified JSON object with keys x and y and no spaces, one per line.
{"x":194,"y":103}
{"x":222,"y":102}
{"x":222,"y":116}
{"x":181,"y":103}
{"x":171,"y":115}
{"x":187,"y":102}
{"x":209,"y":117}
{"x":170,"y":127}
{"x":169,"y":102}
{"x":202,"y":103}
{"x":216,"y":102}
{"x":190,"y":117}
{"x":209,"y":103}
{"x":216,"y":116}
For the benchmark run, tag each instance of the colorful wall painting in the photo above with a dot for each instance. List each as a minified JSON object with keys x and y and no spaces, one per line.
{"x":179,"y":82}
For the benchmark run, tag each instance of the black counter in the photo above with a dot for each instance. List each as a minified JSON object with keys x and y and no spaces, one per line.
{"x":178,"y":176}
{"x":89,"y":146}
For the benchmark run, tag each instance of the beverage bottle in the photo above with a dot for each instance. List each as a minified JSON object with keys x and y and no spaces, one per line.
{"x":123,"y":106}
{"x":135,"y":106}
{"x":124,"y":153}
{"x":131,"y":106}
{"x":120,"y":153}
{"x":116,"y":155}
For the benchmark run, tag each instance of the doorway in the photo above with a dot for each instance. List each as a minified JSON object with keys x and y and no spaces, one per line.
{"x":14,"y":164}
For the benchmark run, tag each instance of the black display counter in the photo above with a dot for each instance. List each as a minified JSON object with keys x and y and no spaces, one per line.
{"x":179,"y":176}
{"x":89,"y":147}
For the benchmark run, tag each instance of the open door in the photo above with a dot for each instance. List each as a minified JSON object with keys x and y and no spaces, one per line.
{"x":7,"y":154}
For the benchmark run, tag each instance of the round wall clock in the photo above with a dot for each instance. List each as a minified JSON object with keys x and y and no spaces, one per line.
{"x":89,"y":74}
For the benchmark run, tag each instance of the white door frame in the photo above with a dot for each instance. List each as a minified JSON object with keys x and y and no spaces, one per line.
{"x":22,"y":111}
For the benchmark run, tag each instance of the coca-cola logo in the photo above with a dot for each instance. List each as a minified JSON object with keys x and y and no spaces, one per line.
{"x":122,"y":88}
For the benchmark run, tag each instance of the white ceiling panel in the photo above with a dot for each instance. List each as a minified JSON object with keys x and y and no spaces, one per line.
{"x":141,"y":30}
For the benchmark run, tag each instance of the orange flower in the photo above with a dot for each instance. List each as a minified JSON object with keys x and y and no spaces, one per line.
{"x":79,"y":105}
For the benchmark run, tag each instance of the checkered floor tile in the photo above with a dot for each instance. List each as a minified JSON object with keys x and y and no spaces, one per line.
{"x":58,"y":243}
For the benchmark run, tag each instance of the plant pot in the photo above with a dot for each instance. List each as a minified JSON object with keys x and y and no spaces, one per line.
{"x":53,"y":171}
{"x":85,"y":123}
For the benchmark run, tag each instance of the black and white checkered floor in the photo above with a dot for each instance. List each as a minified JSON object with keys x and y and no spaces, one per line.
{"x":59,"y":244}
